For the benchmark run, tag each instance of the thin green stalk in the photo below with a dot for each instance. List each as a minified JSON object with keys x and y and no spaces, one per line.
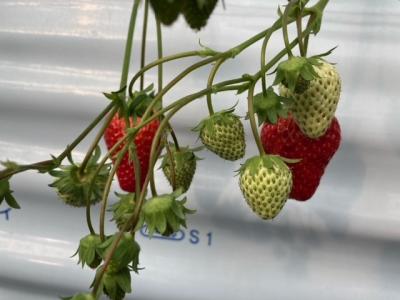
{"x":311,"y":19}
{"x":252,"y":120}
{"x":263,"y":59}
{"x":144,"y":37}
{"x":107,"y":188}
{"x":157,"y":63}
{"x":88,"y":216}
{"x":53,"y":163}
{"x":211,"y":77}
{"x":299,"y":32}
{"x":96,"y":140}
{"x":172,"y":169}
{"x":174,"y":137}
{"x":285,"y":27}
{"x":137,"y":169}
{"x":128,"y":46}
{"x":159,"y":53}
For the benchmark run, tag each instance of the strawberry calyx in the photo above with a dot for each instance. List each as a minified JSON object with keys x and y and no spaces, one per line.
{"x":270,"y":106}
{"x":123,"y":209}
{"x":80,"y":296}
{"x":254,"y":163}
{"x":88,"y":251}
{"x":223,"y":117}
{"x":74,"y":185}
{"x":115,"y":284}
{"x":296,"y":73}
{"x":164,"y":214}
{"x":6,"y":194}
{"x":126,"y":254}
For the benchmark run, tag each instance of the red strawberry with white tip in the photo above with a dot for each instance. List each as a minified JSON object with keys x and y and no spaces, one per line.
{"x":143,"y":140}
{"x":287,"y":140}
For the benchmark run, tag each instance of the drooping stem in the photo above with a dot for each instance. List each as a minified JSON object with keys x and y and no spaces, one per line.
{"x":107,"y":188}
{"x":299,"y":35}
{"x":285,"y":27}
{"x":252,"y":120}
{"x":263,"y":60}
{"x":137,"y":168}
{"x":128,"y":46}
{"x":96,"y":141}
{"x":174,"y":137}
{"x":172,"y":167}
{"x":211,"y":77}
{"x":88,"y":216}
{"x":159,"y":54}
{"x":53,"y":163}
{"x":144,"y":36}
{"x":157,"y":63}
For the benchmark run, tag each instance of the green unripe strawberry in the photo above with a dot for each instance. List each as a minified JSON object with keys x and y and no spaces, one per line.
{"x":265,"y":182}
{"x":223,"y":134}
{"x":314,"y":109}
{"x":179,"y":167}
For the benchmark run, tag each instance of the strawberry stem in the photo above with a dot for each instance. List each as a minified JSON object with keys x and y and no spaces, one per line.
{"x":128,"y":46}
{"x":144,"y":36}
{"x":159,"y":53}
{"x":263,"y":59}
{"x":285,"y":27}
{"x":300,"y":39}
{"x":211,"y":77}
{"x":107,"y":188}
{"x":252,"y":120}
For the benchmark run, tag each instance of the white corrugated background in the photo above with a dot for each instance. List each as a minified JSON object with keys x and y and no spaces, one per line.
{"x":56,"y":57}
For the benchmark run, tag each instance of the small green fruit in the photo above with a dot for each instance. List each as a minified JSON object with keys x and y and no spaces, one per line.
{"x":179,"y":167}
{"x":223,"y":134}
{"x":265,"y":182}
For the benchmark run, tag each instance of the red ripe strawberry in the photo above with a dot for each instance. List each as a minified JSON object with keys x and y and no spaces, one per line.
{"x":143,"y":140}
{"x":286,"y":139}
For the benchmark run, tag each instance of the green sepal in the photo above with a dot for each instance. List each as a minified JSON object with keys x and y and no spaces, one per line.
{"x":127,"y":251}
{"x":243,"y":87}
{"x":316,"y":14}
{"x":114,"y":284}
{"x":296,"y":73}
{"x":165,"y":214}
{"x":73,"y":185}
{"x":80,"y":296}
{"x":254,"y":163}
{"x":123,"y":209}
{"x":141,"y":100}
{"x":222,"y":118}
{"x":88,"y":251}
{"x":6,"y":194}
{"x":271,"y":106}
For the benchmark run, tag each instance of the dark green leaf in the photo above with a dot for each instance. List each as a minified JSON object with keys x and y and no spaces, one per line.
{"x":11,"y":201}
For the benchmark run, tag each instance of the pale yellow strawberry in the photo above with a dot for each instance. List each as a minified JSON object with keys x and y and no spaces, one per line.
{"x":314,"y":109}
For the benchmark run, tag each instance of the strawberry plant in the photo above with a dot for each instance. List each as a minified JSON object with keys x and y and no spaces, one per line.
{"x":299,"y":136}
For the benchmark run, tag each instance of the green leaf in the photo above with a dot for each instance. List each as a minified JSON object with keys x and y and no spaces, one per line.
{"x":161,"y":223}
{"x":4,"y":187}
{"x":11,"y":201}
{"x":123,"y":279}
